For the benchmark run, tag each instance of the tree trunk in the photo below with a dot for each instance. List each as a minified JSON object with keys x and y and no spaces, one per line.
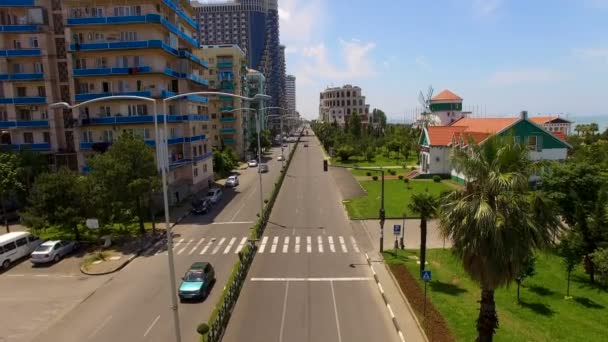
{"x":76,"y":232}
{"x":422,"y":243}
{"x":487,"y":322}
{"x":568,"y":288}
{"x":8,"y":229}
{"x":140,"y":216}
{"x":589,"y":268}
{"x":518,"y":285}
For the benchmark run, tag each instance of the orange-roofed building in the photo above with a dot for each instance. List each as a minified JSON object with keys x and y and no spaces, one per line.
{"x":446,"y":107}
{"x":437,"y":142}
{"x":553,"y":123}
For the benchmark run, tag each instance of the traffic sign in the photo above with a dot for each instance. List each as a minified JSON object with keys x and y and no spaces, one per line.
{"x":425,"y":275}
{"x":397,"y":229}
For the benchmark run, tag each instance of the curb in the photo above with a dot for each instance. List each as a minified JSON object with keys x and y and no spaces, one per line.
{"x":122,"y":265}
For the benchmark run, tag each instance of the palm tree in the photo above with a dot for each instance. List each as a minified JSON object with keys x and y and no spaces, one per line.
{"x":495,"y":222}
{"x":426,"y":205}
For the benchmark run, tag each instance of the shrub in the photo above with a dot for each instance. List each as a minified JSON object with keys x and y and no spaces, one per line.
{"x":436,"y":179}
{"x":368,"y":173}
{"x":375,"y":177}
{"x":400,"y":177}
{"x":345,"y":152}
{"x":413,"y":168}
{"x":369,"y":154}
{"x":393,"y":172}
{"x":406,"y":180}
{"x":202,"y":328}
{"x":266,"y":201}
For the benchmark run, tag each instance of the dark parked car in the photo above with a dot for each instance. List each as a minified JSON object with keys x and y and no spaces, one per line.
{"x":197,"y":281}
{"x":201,"y":206}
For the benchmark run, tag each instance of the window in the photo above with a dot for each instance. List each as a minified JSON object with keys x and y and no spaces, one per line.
{"x":122,"y":61}
{"x":38,"y":68}
{"x":213,"y":126}
{"x":21,"y":242}
{"x":200,"y":149}
{"x":17,"y":68}
{"x":213,"y":116}
{"x":44,"y":115}
{"x":41,"y":91}
{"x":128,"y":36}
{"x":46,"y":137}
{"x":139,"y":85}
{"x":105,"y":111}
{"x":34,"y":42}
{"x":108,"y":136}
{"x":532,"y":142}
{"x":101,"y":62}
{"x":28,"y":138}
{"x":21,"y":92}
{"x":142,"y":109}
{"x":195,"y":172}
{"x":193,"y":130}
{"x":87,"y":136}
{"x":194,"y":151}
{"x":97,"y":12}
{"x":172,"y":132}
{"x":205,"y":148}
{"x":205,"y":166}
{"x":138,"y":61}
{"x":81,"y":63}
{"x":9,"y":247}
{"x":16,"y":44}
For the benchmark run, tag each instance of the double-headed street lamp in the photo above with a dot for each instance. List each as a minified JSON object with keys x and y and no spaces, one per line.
{"x":162,"y":157}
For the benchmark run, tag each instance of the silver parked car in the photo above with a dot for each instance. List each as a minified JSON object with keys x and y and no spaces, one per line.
{"x":52,"y":251}
{"x":263,"y":168}
{"x":232,"y":181}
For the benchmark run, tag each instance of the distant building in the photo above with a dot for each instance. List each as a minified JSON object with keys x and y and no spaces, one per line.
{"x":290,"y":93}
{"x":337,"y":104}
{"x":446,"y":107}
{"x":554,"y":124}
{"x":256,"y":84}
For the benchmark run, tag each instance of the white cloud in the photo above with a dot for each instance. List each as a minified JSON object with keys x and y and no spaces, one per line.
{"x":593,"y":54}
{"x":423,"y":62}
{"x":527,"y":76}
{"x":486,"y":7}
{"x":300,"y":21}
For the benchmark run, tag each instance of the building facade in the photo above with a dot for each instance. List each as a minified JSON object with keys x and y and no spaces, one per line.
{"x":337,"y":104}
{"x":227,"y":73}
{"x":554,"y":124}
{"x":290,"y":94}
{"x":445,"y":108}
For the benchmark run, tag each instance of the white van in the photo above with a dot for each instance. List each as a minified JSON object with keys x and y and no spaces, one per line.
{"x":16,"y":245}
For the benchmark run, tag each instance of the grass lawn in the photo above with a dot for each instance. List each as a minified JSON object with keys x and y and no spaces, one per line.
{"x":86,"y":234}
{"x":400,"y":171}
{"x":379,"y":160}
{"x":396,"y":198}
{"x":543,"y":315}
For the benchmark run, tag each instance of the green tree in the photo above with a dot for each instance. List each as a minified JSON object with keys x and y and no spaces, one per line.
{"x":354,"y":124}
{"x":57,"y":199}
{"x":495,"y":223}
{"x":570,"y":249}
{"x":600,"y":259}
{"x":379,"y":117}
{"x":369,"y":154}
{"x":265,"y":141}
{"x":33,"y":164}
{"x":426,"y":205}
{"x":528,"y":270}
{"x":128,"y":174}
{"x":10,"y":181}
{"x":345,"y":152}
{"x":223,"y":162}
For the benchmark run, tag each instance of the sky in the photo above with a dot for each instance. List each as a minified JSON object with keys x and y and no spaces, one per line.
{"x":500,"y":56}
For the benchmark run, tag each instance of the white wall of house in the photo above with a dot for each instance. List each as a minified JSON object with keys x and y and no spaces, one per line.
{"x":549,"y":154}
{"x":439,"y":160}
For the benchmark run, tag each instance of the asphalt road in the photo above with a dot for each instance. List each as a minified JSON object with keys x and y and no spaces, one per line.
{"x":134,"y":304}
{"x":315,"y":285}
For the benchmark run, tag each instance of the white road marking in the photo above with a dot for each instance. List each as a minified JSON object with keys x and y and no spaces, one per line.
{"x":297,"y":248}
{"x":263,"y":244}
{"x":286,"y":244}
{"x":332,"y":248}
{"x":284,"y":312}
{"x":388,"y":306}
{"x":15,"y":275}
{"x":333,"y":295}
{"x":177,"y":243}
{"x":241,"y":245}
{"x":196,"y":246}
{"x":98,"y":329}
{"x":238,"y":222}
{"x":151,"y":325}
{"x":314,"y":279}
{"x":308,"y":245}
{"x":207,"y":246}
{"x":246,"y":200}
{"x":275,"y":242}
{"x":343,"y":244}
{"x":219,"y":245}
{"x":41,"y":275}
{"x":320,"y":241}
{"x":186,"y":246}
{"x":354,"y":242}
{"x":229,"y":245}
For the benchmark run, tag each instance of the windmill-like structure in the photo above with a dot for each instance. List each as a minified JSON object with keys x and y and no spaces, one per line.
{"x":427,"y":119}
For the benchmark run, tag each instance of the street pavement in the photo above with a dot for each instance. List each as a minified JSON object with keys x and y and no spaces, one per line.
{"x":134,"y":304}
{"x":310,"y":280}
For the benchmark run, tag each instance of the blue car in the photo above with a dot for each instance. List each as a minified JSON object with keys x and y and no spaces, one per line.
{"x":197,"y":281}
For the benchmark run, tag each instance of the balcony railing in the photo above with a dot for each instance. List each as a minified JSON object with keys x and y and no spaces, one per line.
{"x":227,"y":64}
{"x":194,"y":138}
{"x":228,"y":119}
{"x":137,"y":44}
{"x":138,"y":119}
{"x":91,"y":96}
{"x":25,"y":124}
{"x":112,"y":71}
{"x":20,"y":53}
{"x":22,"y":147}
{"x":227,"y":130}
{"x":203,"y":156}
{"x":19,"y":28}
{"x":23,"y":100}
{"x":229,"y":141}
{"x":22,"y":77}
{"x":15,"y":3}
{"x":197,"y":79}
{"x":181,"y":13}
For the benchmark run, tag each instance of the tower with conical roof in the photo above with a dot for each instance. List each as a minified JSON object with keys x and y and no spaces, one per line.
{"x":446,"y":107}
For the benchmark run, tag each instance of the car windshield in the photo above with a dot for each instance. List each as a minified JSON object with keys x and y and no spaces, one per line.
{"x":43,"y":248}
{"x":210,"y":194}
{"x":231,"y":178}
{"x":194,"y":276}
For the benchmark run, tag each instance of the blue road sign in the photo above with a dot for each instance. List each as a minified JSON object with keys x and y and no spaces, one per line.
{"x":425,"y":275}
{"x":397,"y":229}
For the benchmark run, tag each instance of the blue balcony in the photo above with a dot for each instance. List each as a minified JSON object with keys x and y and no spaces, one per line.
{"x":25,"y":124}
{"x":196,"y":98}
{"x":132,"y":19}
{"x":112,"y":71}
{"x":23,"y":100}
{"x":179,"y":163}
{"x":229,"y":141}
{"x":227,"y":130}
{"x":197,"y":79}
{"x":181,"y":13}
{"x":226,"y":109}
{"x":203,"y":156}
{"x":225,"y":76}
{"x":23,"y":147}
{"x":136,"y":119}
{"x":22,"y":77}
{"x":228,"y":119}
{"x":194,"y":138}
{"x":15,"y":3}
{"x":19,"y":28}
{"x":173,"y":73}
{"x":20,"y":53}
{"x":91,"y":96}
{"x":140,"y":44}
{"x":227,"y":64}
{"x":197,"y":117}
{"x":188,"y":55}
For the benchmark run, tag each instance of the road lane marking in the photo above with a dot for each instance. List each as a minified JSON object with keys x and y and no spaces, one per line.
{"x":196,"y":246}
{"x":151,"y":325}
{"x":219,"y":245}
{"x":333,"y":295}
{"x":177,"y":243}
{"x":355,"y":247}
{"x":229,"y":245}
{"x":241,"y":245}
{"x":332,"y":248}
{"x":308,"y":245}
{"x":343,"y":244}
{"x":286,"y":244}
{"x":297,"y":248}
{"x":230,"y":222}
{"x":186,"y":246}
{"x":263,"y":245}
{"x":284,"y":312}
{"x":320,"y":241}
{"x":315,"y":279}
{"x":246,"y":200}
{"x":98,"y":329}
{"x":275,"y":242}
{"x":207,"y":246}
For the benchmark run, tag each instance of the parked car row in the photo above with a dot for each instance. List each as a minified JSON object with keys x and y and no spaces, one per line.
{"x":17,"y":245}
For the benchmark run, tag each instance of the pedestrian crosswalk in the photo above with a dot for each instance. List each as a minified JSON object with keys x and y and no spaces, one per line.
{"x":306,"y":244}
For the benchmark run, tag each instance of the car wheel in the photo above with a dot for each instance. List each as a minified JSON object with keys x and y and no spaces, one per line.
{"x":6,"y":264}
{"x":56,"y":258}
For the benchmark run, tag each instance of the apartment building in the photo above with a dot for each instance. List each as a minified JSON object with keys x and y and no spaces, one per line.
{"x":143,"y":49}
{"x":337,"y":104}
{"x":290,"y":94}
{"x":226,"y":73}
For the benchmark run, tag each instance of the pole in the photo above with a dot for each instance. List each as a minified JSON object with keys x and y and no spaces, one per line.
{"x":403,"y":231}
{"x":425,"y":284}
{"x":258,"y":124}
{"x":163,"y":155}
{"x":382,"y":215}
{"x":281,"y":141}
